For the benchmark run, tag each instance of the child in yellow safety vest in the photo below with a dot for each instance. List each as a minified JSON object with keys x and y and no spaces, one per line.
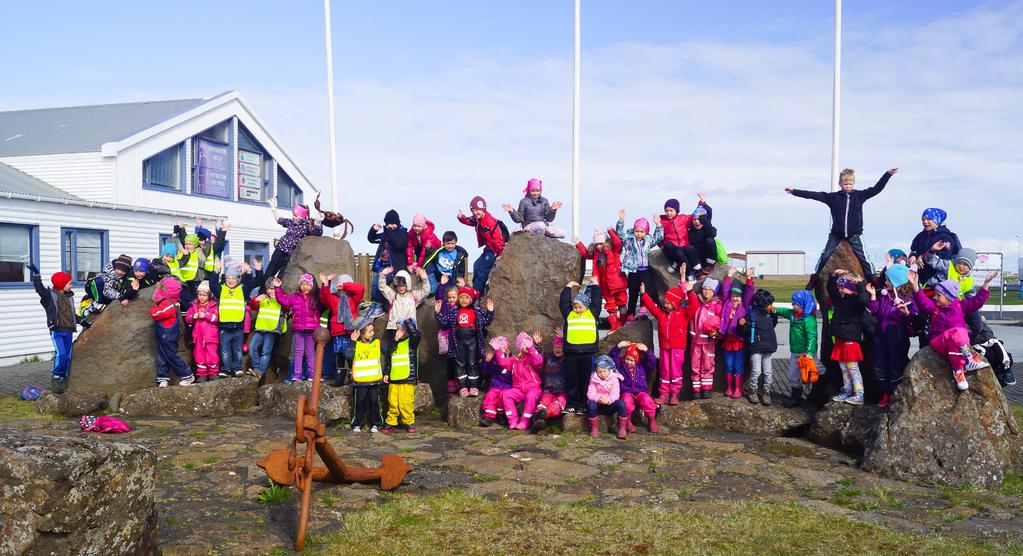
{"x":231,"y":298}
{"x":367,"y":375}
{"x":580,"y":312}
{"x":402,"y":377}
{"x":271,"y":322}
{"x":190,"y":262}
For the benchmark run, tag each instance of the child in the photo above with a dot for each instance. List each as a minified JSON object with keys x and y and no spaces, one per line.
{"x":958,"y":269}
{"x":449,"y":294}
{"x":763,"y":342}
{"x":554,"y":393}
{"x":636,"y":246}
{"x":489,"y":236}
{"x":191,"y":264}
{"x":525,"y":367}
{"x":271,"y":323}
{"x":704,"y":329}
{"x":846,"y":326}
{"x":58,"y":303}
{"x":422,"y":243}
{"x":448,"y":264}
{"x":604,"y":397}
{"x":846,"y":216}
{"x":298,"y":227}
{"x":984,"y":342}
{"x":231,"y":296}
{"x":733,"y":331}
{"x":168,"y":255}
{"x":676,"y":234}
{"x":166,"y":316}
{"x":144,"y":273}
{"x":802,"y":339}
{"x":106,"y":287}
{"x":672,"y":334}
{"x":343,"y":304}
{"x":392,"y":251}
{"x":606,"y":253}
{"x":893,"y":311}
{"x":535,"y":213}
{"x":202,"y":316}
{"x":636,"y":361}
{"x":367,"y":375}
{"x":404,"y":373}
{"x":935,"y":239}
{"x":949,"y":335}
{"x":500,"y":379}
{"x":402,"y":297}
{"x":467,"y":326}
{"x":581,"y":339}
{"x":702,"y":251}
{"x":305,"y":320}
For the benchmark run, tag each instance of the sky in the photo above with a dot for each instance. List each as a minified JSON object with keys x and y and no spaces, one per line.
{"x":439,"y":101}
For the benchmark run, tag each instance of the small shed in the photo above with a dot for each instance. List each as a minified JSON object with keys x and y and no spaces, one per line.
{"x":777,"y":263}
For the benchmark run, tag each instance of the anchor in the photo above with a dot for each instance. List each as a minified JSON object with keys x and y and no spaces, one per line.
{"x":288,"y":467}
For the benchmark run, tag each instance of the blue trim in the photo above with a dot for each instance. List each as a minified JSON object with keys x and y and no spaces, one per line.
{"x":263,"y":251}
{"x":163,"y":239}
{"x":104,"y":254}
{"x":33,"y":254}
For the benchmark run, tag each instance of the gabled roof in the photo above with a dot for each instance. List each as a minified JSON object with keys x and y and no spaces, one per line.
{"x":13,"y":180}
{"x":79,"y":129}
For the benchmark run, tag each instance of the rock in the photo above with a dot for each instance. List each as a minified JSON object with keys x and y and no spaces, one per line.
{"x":335,"y":403}
{"x":736,"y":416}
{"x":316,"y":254}
{"x":463,"y":412}
{"x":687,"y":415}
{"x":220,"y":398}
{"x":639,"y":331}
{"x":578,"y":422}
{"x":936,"y":434}
{"x":75,"y":496}
{"x":71,"y":404}
{"x":845,"y":427}
{"x":526,"y":284}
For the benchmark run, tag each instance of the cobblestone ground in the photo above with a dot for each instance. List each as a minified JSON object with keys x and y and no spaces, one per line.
{"x":208,"y":480}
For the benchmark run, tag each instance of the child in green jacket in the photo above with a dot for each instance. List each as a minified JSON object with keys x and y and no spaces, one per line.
{"x":802,"y":339}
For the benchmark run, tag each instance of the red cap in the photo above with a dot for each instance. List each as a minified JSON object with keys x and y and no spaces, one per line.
{"x":466,"y":290}
{"x":478,"y":202}
{"x":60,"y":279}
{"x":675,"y":296}
{"x":633,"y":352}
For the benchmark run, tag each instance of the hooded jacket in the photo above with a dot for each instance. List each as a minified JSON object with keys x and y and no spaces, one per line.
{"x":925,"y":239}
{"x":846,"y":322}
{"x":607,"y":264}
{"x":676,"y":230}
{"x":565,"y":305}
{"x":533,"y":210}
{"x":403,"y":306}
{"x":524,"y":370}
{"x":673,"y":326}
{"x":846,"y":208}
{"x":888,"y":314}
{"x":488,"y":233}
{"x":205,"y":330}
{"x":636,"y":252}
{"x":634,"y":381}
{"x":698,"y":236}
{"x":331,"y":301}
{"x":420,"y":244}
{"x":392,"y":242}
{"x":706,"y":320}
{"x":762,"y":337}
{"x":610,"y":387}
{"x":729,"y":322}
{"x":950,"y":316}
{"x":305,"y":309}
{"x":802,"y":330}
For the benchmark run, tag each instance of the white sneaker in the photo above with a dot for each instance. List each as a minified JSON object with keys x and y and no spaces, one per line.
{"x":238,"y":373}
{"x":374,"y":429}
{"x":186,"y":381}
{"x":975,"y":362}
{"x":356,"y":429}
{"x":161,"y":384}
{"x":960,"y":378}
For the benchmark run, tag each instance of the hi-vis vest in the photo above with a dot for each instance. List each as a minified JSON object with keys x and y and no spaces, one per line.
{"x":270,"y":317}
{"x":965,"y":282}
{"x":582,"y":328}
{"x":325,"y":319}
{"x":211,"y":261}
{"x":190,"y":269}
{"x":232,"y":304}
{"x":401,"y":363}
{"x":174,"y":268}
{"x":366,"y":365}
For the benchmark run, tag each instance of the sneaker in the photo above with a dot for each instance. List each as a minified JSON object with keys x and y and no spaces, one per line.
{"x":375,"y":310}
{"x":374,"y":429}
{"x":856,"y":399}
{"x":464,"y":392}
{"x":356,"y":429}
{"x":161,"y":384}
{"x":976,"y":362}
{"x":187,"y":381}
{"x":309,"y":379}
{"x":842,"y":396}
{"x":57,"y":384}
{"x":1008,"y":377}
{"x":410,"y":429}
{"x":223,"y":374}
{"x":289,"y":380}
{"x":387,"y":429}
{"x":486,"y":421}
{"x":960,"y":377}
{"x":672,"y":268}
{"x":238,"y":372}
{"x":252,"y":372}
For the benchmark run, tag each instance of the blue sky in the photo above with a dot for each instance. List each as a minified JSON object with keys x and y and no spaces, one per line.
{"x":440,"y":100}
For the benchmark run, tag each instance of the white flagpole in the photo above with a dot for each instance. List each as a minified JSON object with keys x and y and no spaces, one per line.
{"x":335,"y":192}
{"x":836,"y":102}
{"x":575,"y":127}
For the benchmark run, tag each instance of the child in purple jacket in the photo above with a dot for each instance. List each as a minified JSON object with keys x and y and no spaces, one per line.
{"x":305,"y":309}
{"x":636,"y":362}
{"x":894,"y":311}
{"x":500,"y":380}
{"x":733,"y":330}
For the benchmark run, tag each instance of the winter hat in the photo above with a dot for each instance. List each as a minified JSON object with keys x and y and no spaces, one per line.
{"x":599,"y":235}
{"x":736,"y":288}
{"x":672,"y":204}
{"x":122,"y":262}
{"x":605,"y":362}
{"x":60,"y":279}
{"x":896,"y":254}
{"x":140,"y":265}
{"x":847,"y":283}
{"x":466,"y":290}
{"x":966,"y":255}
{"x":391,"y":217}
{"x":343,"y":279}
{"x":402,"y":278}
{"x":700,"y":211}
{"x":675,"y":296}
{"x":307,"y":278}
{"x":804,"y":299}
{"x":523,"y":341}
{"x":581,"y":298}
{"x":203,"y":233}
{"x":419,"y":220}
{"x":532,"y":184}
{"x":898,"y":273}
{"x":169,"y":249}
{"x":168,"y":288}
{"x":762,"y":298}
{"x":362,"y":323}
{"x":478,"y":202}
{"x":499,"y":343}
{"x":642,"y":224}
{"x":193,"y":239}
{"x":300,"y":211}
{"x":710,"y":284}
{"x":269,"y":284}
{"x":233,"y":271}
{"x":949,"y":289}
{"x":632,"y":352}
{"x":935,"y":214}
{"x":558,"y":341}
{"x":203,"y":286}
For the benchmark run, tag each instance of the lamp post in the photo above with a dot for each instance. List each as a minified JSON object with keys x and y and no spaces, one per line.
{"x":335,"y":193}
{"x":575,"y":125}
{"x":836,"y":99}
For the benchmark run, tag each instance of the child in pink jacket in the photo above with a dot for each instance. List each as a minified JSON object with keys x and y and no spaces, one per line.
{"x":704,"y":330}
{"x":305,"y":319}
{"x":526,"y":384}
{"x":500,"y":380}
{"x":202,"y":316}
{"x":604,"y":397}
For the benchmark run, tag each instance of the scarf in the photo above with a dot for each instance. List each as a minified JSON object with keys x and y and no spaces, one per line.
{"x":344,"y":311}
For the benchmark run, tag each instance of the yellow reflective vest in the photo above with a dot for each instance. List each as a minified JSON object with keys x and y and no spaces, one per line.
{"x":175,"y":269}
{"x":270,"y":317}
{"x":582,"y":328}
{"x":191,"y":268}
{"x":367,"y":367}
{"x":401,"y":362}
{"x":965,"y":282}
{"x":232,"y":304}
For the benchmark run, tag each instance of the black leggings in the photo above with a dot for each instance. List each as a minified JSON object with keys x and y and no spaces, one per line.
{"x":646,"y":277}
{"x":278,"y":262}
{"x":578,"y":367}
{"x":701,"y":253}
{"x":467,"y":363}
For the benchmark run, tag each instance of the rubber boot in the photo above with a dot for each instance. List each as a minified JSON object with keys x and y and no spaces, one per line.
{"x":737,"y":391}
{"x":614,"y":322}
{"x":452,"y":387}
{"x":793,"y":400}
{"x":628,"y":424}
{"x":661,"y":399}
{"x":886,"y":400}
{"x":652,"y":422}
{"x":523,"y":424}
{"x":594,"y":427}
{"x":729,"y":381}
{"x":623,"y":426}
{"x":673,"y":400}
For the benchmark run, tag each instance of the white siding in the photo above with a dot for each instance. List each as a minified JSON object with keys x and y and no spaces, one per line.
{"x":777,"y":264}
{"x":764,"y":264}
{"x":86,"y":175}
{"x":791,"y":264}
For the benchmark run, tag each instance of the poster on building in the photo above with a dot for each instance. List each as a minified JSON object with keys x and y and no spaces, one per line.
{"x":250,"y":176}
{"x":986,"y":262}
{"x":211,"y":168}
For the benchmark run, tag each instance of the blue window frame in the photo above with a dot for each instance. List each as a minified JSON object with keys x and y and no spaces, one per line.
{"x":288,"y":193}
{"x":257,"y":249}
{"x":83,"y":252}
{"x":19,"y":246}
{"x":164,"y":240}
{"x":165,"y":170}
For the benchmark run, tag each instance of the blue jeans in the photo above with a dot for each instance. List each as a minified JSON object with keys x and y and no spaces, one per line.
{"x":231,"y":350}
{"x":735,"y":362}
{"x":593,"y":408}
{"x":261,"y":349}
{"x":329,"y":367}
{"x":61,"y":352}
{"x":481,"y":270}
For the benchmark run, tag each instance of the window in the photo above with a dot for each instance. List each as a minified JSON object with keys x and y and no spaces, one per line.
{"x":19,"y":246}
{"x":163,"y":170}
{"x":288,"y":194}
{"x":83,"y":252}
{"x":220,"y":132}
{"x":164,"y":240}
{"x":257,"y":250}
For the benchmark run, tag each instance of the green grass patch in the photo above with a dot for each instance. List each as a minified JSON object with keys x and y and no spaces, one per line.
{"x":32,"y":359}
{"x":12,"y":407}
{"x":845,"y":481}
{"x":273,"y":494}
{"x":485,"y":478}
{"x":329,"y":499}
{"x":884,"y":497}
{"x":1013,"y":484}
{"x":571,"y":480}
{"x":456,"y":522}
{"x":190,"y":466}
{"x":1017,"y":411}
{"x":561,"y":442}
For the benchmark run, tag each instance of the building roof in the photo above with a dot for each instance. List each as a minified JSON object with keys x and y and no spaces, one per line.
{"x":15,"y":181}
{"x":77,"y":129}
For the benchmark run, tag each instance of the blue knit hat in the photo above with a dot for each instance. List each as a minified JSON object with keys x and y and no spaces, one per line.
{"x":898,"y":274}
{"x":935,"y":214}
{"x":581,"y":298}
{"x":605,"y":362}
{"x":140,"y":265}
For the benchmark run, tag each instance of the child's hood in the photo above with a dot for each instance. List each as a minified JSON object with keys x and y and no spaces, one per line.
{"x":408,"y":278}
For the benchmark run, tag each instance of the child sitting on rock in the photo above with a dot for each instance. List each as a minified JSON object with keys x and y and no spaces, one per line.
{"x":525,"y":367}
{"x":636,"y":246}
{"x":422,"y":242}
{"x":447,"y":264}
{"x":763,"y":342}
{"x":535,"y":212}
{"x":850,"y":300}
{"x":935,"y":239}
{"x":949,"y":335}
{"x":58,"y":302}
{"x":672,"y":335}
{"x":467,"y":325}
{"x":499,"y":379}
{"x":635,"y":362}
{"x":606,"y":252}
{"x":802,"y":341}
{"x":554,"y":393}
{"x":489,"y":236}
{"x":166,"y":315}
{"x":203,"y":318}
{"x":894,"y":311}
{"x":959,"y":269}
{"x":581,"y":339}
{"x":604,"y":397}
{"x":299,"y":226}
{"x":733,"y":331}
{"x":366,"y":354}
{"x":704,"y":329}
{"x":305,"y":310}
{"x":402,"y":377}
{"x":676,"y":235}
{"x":107,"y":287}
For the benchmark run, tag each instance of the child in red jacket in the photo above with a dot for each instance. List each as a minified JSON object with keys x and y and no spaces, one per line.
{"x":489,"y":236}
{"x":343,"y":304}
{"x":167,"y":316}
{"x":606,"y":253}
{"x":672,"y":326}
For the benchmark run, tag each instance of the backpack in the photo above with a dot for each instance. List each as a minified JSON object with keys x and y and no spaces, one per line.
{"x":504,"y":230}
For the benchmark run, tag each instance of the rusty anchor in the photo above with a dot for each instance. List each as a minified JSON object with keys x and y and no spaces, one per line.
{"x":288,"y":467}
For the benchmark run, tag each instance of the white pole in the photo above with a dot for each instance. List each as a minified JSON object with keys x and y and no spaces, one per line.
{"x":575,"y":127}
{"x":836,"y":102}
{"x":335,"y":192}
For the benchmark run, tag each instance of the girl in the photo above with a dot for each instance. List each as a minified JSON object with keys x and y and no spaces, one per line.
{"x":449,"y":294}
{"x":202,"y":316}
{"x":525,"y":367}
{"x":367,"y":375}
{"x":704,"y":328}
{"x":298,"y":227}
{"x":672,"y":335}
{"x":166,"y":316}
{"x":581,"y":339}
{"x":763,"y":342}
{"x":949,"y":334}
{"x":636,"y":246}
{"x":604,"y":397}
{"x":846,"y":325}
{"x":636,"y":361}
{"x":676,"y":234}
{"x":733,"y":330}
{"x":535,"y":213}
{"x":467,"y":325}
{"x":606,"y":253}
{"x":343,"y":304}
{"x":500,"y":379}
{"x":422,"y":242}
{"x":305,"y":320}
{"x":802,"y":340}
{"x":554,"y":393}
{"x":893,"y":309}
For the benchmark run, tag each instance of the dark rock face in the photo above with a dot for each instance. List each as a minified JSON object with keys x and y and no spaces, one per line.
{"x":316,"y":254}
{"x":75,"y":496}
{"x":638,"y":331}
{"x":736,"y":416}
{"x":71,"y":403}
{"x":845,"y":427}
{"x":220,"y":398}
{"x":335,"y":403}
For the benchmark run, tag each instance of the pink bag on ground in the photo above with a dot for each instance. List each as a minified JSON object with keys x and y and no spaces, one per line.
{"x":103,"y":423}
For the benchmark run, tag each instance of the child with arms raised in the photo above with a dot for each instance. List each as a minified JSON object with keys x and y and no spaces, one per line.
{"x":605,"y":252}
{"x":366,"y":354}
{"x":893,"y":309}
{"x":581,"y":339}
{"x":467,"y":326}
{"x":402,"y":377}
{"x":672,"y":334}
{"x":305,"y":310}
{"x":58,"y":302}
{"x":554,"y":394}
{"x":636,"y":246}
{"x":635,"y":362}
{"x":535,"y":212}
{"x":499,"y":379}
{"x":704,"y":329}
{"x":850,"y":300}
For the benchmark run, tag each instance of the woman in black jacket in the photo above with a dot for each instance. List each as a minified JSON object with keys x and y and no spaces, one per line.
{"x":848,"y":326}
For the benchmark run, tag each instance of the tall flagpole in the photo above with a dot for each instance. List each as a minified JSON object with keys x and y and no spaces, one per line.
{"x":836,"y":102}
{"x":335,"y":192}
{"x":575,"y":128}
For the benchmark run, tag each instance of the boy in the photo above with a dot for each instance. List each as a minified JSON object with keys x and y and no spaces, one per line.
{"x":58,"y":302}
{"x":401,"y":381}
{"x":489,"y":236}
{"x":447,"y":264}
{"x":231,"y":296}
{"x":846,"y":216}
{"x":581,"y":339}
{"x":367,"y":375}
{"x":107,"y":287}
{"x":271,"y":322}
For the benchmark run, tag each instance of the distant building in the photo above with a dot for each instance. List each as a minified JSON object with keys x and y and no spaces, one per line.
{"x":738,"y":260}
{"x":777,"y":263}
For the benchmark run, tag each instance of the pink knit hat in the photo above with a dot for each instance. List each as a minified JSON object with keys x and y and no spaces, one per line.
{"x":419,"y":220}
{"x":307,"y":278}
{"x":523,"y":342}
{"x":558,"y":341}
{"x":168,"y":288}
{"x":599,"y":235}
{"x":300,"y":211}
{"x":532,"y":184}
{"x":642,"y":224}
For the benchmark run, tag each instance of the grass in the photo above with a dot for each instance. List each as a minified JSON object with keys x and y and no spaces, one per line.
{"x":329,"y":499}
{"x":12,"y":407}
{"x":273,"y":494}
{"x":456,"y":522}
{"x":1017,"y":412}
{"x":32,"y":359}
{"x":485,"y":478}
{"x":1012,"y":485}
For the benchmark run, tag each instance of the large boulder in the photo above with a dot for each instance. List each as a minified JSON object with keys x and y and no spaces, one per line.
{"x":462,"y":412}
{"x":220,"y":398}
{"x":335,"y":403}
{"x":71,"y":403}
{"x":736,"y":416}
{"x":316,"y":254}
{"x":934,"y":433}
{"x":75,"y":496}
{"x":845,"y":427}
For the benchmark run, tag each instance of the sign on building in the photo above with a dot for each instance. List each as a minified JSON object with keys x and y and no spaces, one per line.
{"x":986,"y":262}
{"x":211,"y":168}
{"x":250,"y":176}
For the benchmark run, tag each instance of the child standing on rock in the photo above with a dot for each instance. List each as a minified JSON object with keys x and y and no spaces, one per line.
{"x":298,"y":227}
{"x":489,"y":236}
{"x":733,"y":331}
{"x":850,"y":299}
{"x":802,"y":341}
{"x":763,"y":342}
{"x":203,"y":318}
{"x":526,"y":385}
{"x":603,"y":396}
{"x":535,"y":212}
{"x":636,"y":246}
{"x":606,"y":252}
{"x":704,"y":329}
{"x":499,"y":380}
{"x":467,"y":326}
{"x":680,"y":306}
{"x":166,"y":315}
{"x":58,"y":302}
{"x":581,"y":339}
{"x":635,"y":361}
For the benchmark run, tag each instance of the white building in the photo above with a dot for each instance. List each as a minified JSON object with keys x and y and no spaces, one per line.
{"x":81,"y":185}
{"x":777,"y":263}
